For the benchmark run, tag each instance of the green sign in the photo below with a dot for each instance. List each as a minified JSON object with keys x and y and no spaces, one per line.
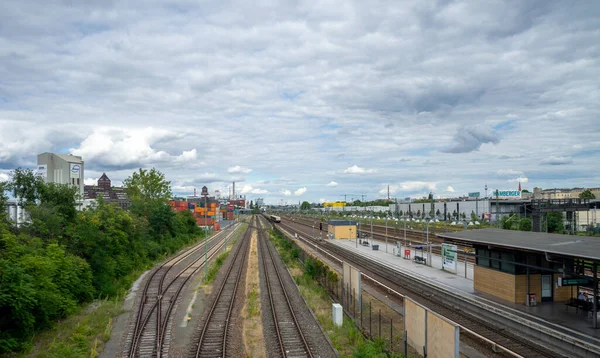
{"x":474,"y":195}
{"x":573,"y":281}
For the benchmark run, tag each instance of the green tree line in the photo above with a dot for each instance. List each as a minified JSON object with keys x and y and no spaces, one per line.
{"x":61,"y":258}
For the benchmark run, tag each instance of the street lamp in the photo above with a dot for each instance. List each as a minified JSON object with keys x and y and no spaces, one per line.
{"x":205,"y":195}
{"x":386,"y":219}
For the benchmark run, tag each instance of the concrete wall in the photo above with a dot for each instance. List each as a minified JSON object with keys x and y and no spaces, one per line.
{"x":414,"y":323}
{"x":442,"y":337}
{"x":494,"y":282}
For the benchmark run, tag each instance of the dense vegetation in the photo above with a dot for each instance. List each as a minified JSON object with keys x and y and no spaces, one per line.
{"x":62,"y":257}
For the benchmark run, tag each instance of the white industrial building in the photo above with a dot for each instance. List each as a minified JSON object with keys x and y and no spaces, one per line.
{"x":61,"y":169}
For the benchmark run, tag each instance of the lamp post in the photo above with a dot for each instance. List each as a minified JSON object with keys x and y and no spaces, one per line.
{"x":428,"y":244}
{"x":386,"y":219}
{"x":205,"y":195}
{"x":372,"y":230}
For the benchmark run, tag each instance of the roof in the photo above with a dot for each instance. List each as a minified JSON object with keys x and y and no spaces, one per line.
{"x":586,"y":247}
{"x":70,"y":158}
{"x":342,"y":222}
{"x":103,"y":177}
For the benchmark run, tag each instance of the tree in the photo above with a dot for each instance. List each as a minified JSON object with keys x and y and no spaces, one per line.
{"x":419,"y":213}
{"x":251,"y":204}
{"x":454,"y":215}
{"x":305,"y":205}
{"x":147,"y":185}
{"x":25,"y":186}
{"x":400,"y":213}
{"x":473,"y":216}
{"x":437,"y":213}
{"x":430,"y":196}
{"x":525,"y":224}
{"x":506,"y":222}
{"x":555,"y":222}
{"x":587,"y":194}
{"x":4,"y":187}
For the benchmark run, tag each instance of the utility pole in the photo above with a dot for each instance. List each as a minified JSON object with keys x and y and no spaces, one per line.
{"x":497,"y":209}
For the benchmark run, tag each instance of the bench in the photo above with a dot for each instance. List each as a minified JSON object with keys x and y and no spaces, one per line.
{"x":364,"y":243}
{"x":580,"y":305}
{"x":420,"y":260}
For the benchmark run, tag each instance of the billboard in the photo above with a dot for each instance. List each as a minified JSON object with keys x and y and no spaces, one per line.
{"x":449,"y":257}
{"x":42,"y":171}
{"x":508,"y":194}
{"x":474,"y":195}
{"x":75,"y":170}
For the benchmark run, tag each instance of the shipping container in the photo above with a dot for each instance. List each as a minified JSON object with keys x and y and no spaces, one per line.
{"x":204,"y":222}
{"x":217,"y":227}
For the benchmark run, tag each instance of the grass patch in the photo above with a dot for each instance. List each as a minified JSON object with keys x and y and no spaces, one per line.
{"x":215,"y":267}
{"x":80,"y":335}
{"x":347,"y":339}
{"x":253,"y":303}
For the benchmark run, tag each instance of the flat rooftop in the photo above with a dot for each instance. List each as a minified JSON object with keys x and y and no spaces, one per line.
{"x":585,"y":247}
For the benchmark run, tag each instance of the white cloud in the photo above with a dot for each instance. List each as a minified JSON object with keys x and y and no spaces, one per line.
{"x":321,"y":200}
{"x":248,"y":189}
{"x":355,"y":169}
{"x":300,"y":191}
{"x":286,"y":192}
{"x":238,"y":170}
{"x":508,"y":172}
{"x":332,"y":183}
{"x":213,"y":93}
{"x":552,"y":160}
{"x":132,"y":148}
{"x":90,"y":181}
{"x":450,"y":189}
{"x":523,"y":180}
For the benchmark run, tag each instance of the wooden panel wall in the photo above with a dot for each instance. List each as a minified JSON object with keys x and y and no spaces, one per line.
{"x":414,"y":323}
{"x":442,"y":337}
{"x":562,"y":294}
{"x":535,"y":286}
{"x":496,"y":283}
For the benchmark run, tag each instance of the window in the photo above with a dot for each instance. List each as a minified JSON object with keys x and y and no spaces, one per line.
{"x":495,"y":263}
{"x":482,"y":257}
{"x":506,"y":266}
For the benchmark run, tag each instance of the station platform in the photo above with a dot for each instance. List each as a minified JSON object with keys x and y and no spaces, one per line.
{"x":554,"y":315}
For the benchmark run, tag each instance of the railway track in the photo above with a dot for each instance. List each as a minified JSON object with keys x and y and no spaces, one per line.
{"x":435,"y":301}
{"x":151,"y":328}
{"x":213,"y":336}
{"x":396,"y":234}
{"x":290,"y":337}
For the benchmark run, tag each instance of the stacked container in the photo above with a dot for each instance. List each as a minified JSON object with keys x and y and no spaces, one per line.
{"x":230,"y":209}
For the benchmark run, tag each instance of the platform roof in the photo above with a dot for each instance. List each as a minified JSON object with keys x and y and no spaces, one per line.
{"x":585,"y":247}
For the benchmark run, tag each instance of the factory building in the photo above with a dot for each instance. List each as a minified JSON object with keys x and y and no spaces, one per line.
{"x":61,"y":169}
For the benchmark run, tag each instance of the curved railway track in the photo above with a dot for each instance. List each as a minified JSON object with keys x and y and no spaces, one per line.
{"x":151,"y":324}
{"x":290,"y":338}
{"x":214,"y":331}
{"x":430,"y":298}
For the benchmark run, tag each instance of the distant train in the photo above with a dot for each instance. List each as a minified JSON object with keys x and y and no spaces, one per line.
{"x":275,"y":218}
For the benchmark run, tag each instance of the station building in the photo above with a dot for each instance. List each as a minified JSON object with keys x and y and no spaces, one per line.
{"x":341,"y":229}
{"x":526,"y":267}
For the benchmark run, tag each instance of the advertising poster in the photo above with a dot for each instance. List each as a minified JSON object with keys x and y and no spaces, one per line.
{"x":449,"y":257}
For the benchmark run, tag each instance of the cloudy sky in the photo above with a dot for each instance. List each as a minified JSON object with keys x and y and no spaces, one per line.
{"x":307,"y":100}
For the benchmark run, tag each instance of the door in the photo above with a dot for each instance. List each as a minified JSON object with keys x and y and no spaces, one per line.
{"x":546,"y":288}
